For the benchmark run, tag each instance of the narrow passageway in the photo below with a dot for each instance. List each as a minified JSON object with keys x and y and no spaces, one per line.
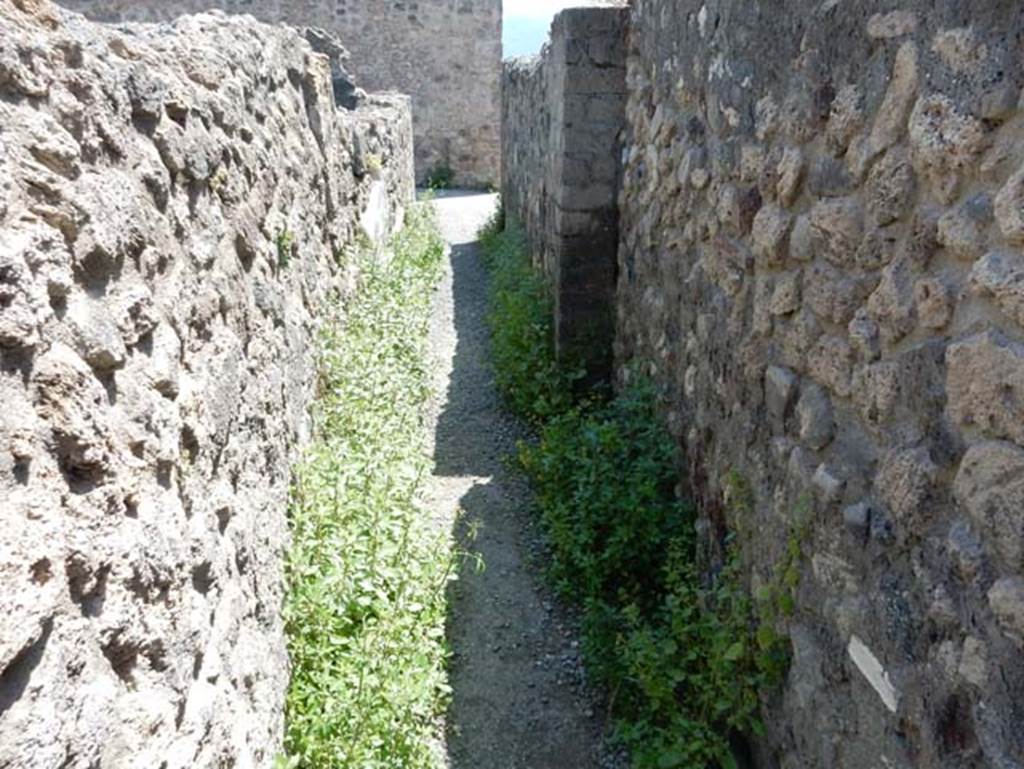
{"x":519,"y":701}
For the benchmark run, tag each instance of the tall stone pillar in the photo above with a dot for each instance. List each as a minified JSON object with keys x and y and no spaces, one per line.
{"x":589,"y":77}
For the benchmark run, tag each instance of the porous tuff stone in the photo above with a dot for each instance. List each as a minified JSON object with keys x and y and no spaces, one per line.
{"x":985,"y":385}
{"x":156,"y":368}
{"x":1006,"y":598}
{"x":819,"y":262}
{"x":445,"y":55}
{"x":990,"y":486}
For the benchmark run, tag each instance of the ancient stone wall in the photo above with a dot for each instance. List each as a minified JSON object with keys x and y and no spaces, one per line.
{"x":821,"y":261}
{"x":526,"y":144}
{"x":562,"y":116}
{"x":446,"y":54}
{"x":175,"y":207}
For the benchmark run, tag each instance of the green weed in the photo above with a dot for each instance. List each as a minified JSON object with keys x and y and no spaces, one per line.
{"x":522,"y":334}
{"x":374,"y":164}
{"x":441,"y":177}
{"x":367,"y":570}
{"x":285,"y":242}
{"x":681,"y":652}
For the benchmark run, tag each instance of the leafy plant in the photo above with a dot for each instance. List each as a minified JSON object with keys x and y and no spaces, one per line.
{"x":285,"y":243}
{"x":441,"y":177}
{"x":605,"y":475}
{"x":374,"y":164}
{"x":533,"y":384}
{"x":367,"y":570}
{"x":682,"y":652}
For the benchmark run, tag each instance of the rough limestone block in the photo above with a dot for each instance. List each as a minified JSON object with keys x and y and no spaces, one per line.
{"x":1000,"y":275}
{"x":801,"y":244}
{"x":1009,"y":208}
{"x":865,"y":336}
{"x":1006,"y":599}
{"x":890,"y":187}
{"x":877,"y":389}
{"x":985,"y":385}
{"x":857,"y":519}
{"x":832,"y":295}
{"x":845,"y":119}
{"x":933,"y":303}
{"x":814,"y":417}
{"x":97,"y":338}
{"x":973,"y":665}
{"x":69,"y":401}
{"x":828,"y":484}
{"x":962,"y":229}
{"x":837,"y":226}
{"x":959,"y":48}
{"x":830,"y":362}
{"x":990,"y":486}
{"x":785,"y":298}
{"x":798,"y":336}
{"x":944,"y":141}
{"x":891,"y":305}
{"x":891,"y":118}
{"x":780,"y":386}
{"x":966,"y":553}
{"x":790,"y":174}
{"x":769,"y":233}
{"x":906,"y":479}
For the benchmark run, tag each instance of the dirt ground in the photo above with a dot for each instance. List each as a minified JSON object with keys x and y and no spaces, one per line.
{"x":520,"y":700}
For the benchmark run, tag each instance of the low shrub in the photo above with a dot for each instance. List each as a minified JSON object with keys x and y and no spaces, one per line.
{"x":441,"y":177}
{"x":680,"y":651}
{"x":522,"y":334}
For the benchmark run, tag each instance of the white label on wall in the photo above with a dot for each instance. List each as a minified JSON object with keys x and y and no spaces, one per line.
{"x":872,"y":670}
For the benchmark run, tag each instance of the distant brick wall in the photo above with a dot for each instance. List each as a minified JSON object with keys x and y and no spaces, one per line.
{"x":563,"y":114}
{"x":445,"y":54}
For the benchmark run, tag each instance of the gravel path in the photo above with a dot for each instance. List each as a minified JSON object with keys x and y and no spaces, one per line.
{"x":520,"y":701}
